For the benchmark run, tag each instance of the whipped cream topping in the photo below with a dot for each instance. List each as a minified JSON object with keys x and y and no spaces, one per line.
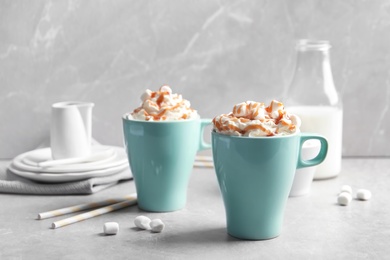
{"x":254,"y":119}
{"x":163,"y":105}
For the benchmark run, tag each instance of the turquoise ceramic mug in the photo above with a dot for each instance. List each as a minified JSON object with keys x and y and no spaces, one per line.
{"x":255,"y":175}
{"x":161,"y":157}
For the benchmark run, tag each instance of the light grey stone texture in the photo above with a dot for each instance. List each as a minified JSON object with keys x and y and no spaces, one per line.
{"x":216,"y":53}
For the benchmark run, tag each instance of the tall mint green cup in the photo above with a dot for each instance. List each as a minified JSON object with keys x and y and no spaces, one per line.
{"x":161,"y":157}
{"x":255,"y":175}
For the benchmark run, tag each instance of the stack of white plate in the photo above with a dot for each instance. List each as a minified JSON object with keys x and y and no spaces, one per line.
{"x":38,"y":165}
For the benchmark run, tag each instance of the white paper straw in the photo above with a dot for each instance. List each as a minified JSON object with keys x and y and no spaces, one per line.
{"x":77,"y":208}
{"x":204,"y":158}
{"x":131,"y":200}
{"x":203,"y":161}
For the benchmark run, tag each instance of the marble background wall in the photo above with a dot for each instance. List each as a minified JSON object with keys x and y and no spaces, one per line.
{"x":216,"y":53}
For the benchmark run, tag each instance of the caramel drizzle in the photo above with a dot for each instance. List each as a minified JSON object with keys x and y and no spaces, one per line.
{"x":161,"y":111}
{"x":253,"y":110}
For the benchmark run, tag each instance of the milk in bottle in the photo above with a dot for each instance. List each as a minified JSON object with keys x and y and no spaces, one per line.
{"x":313,"y":97}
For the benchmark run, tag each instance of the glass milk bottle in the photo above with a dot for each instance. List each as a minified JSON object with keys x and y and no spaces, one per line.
{"x":313,"y":97}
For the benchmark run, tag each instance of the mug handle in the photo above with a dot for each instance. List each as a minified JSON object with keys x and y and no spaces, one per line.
{"x":202,"y":144}
{"x":320,"y":156}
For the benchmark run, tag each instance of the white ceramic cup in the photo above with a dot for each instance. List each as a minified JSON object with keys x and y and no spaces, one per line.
{"x":71,"y":129}
{"x":304,"y":177}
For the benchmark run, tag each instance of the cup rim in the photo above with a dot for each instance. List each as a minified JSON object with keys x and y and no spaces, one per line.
{"x":213,"y":132}
{"x":125,"y":117}
{"x":64,"y":104}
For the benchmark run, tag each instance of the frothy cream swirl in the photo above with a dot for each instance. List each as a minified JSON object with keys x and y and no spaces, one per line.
{"x":163,"y":105}
{"x":254,"y":119}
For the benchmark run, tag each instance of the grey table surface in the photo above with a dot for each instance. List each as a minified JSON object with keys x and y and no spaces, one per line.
{"x":314,"y":227}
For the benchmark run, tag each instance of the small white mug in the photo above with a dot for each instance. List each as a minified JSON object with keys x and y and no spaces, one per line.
{"x":71,"y":129}
{"x":304,"y":177}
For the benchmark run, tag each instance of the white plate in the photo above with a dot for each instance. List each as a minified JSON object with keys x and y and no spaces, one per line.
{"x":28,"y":162}
{"x":66,"y":177}
{"x":99,"y":155}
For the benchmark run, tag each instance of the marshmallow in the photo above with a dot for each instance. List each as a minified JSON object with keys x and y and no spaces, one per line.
{"x":157,"y":225}
{"x":111,"y":228}
{"x":363,"y":194}
{"x":344,"y":198}
{"x":142,"y":222}
{"x":346,"y":188}
{"x":166,"y":88}
{"x":146,"y":95}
